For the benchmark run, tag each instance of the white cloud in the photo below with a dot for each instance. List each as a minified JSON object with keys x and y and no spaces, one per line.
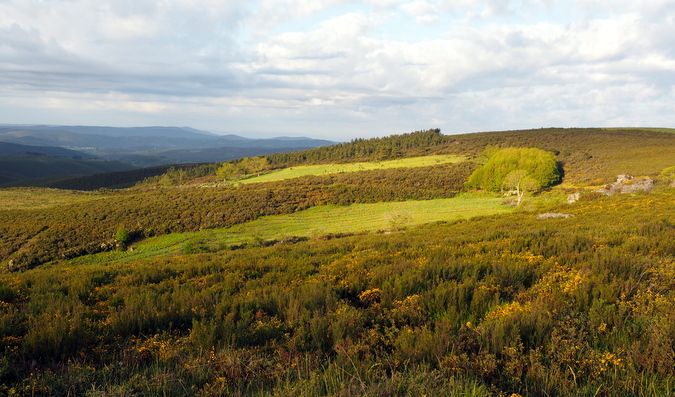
{"x":270,"y":13}
{"x":465,"y":64}
{"x":422,"y":11}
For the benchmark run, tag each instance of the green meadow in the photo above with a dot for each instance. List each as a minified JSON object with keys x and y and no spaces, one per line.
{"x":336,"y":168}
{"x":363,"y":218}
{"x":312,"y":223}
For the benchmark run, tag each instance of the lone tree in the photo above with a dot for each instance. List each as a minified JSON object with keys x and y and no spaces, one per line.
{"x":539,"y":165}
{"x":122,"y":235}
{"x":520,"y":181}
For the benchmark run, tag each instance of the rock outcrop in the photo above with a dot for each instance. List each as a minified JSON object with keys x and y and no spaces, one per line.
{"x":627,"y":184}
{"x":550,"y":215}
{"x":573,"y":198}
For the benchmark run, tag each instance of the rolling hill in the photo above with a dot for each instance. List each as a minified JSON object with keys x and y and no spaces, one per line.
{"x":362,"y":268}
{"x":168,"y":145}
{"x":15,"y":169}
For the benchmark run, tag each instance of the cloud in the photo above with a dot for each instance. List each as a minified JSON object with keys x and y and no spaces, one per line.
{"x":270,"y":13}
{"x":379,"y":65}
{"x":423,"y":11}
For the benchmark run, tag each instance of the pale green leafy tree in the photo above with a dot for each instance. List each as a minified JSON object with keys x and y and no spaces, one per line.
{"x":520,"y":182}
{"x":540,"y":165}
{"x":240,"y":169}
{"x":257,"y":164}
{"x":228,"y":171}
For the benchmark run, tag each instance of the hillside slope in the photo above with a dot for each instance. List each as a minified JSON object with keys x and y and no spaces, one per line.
{"x":580,"y":302}
{"x":15,"y":168}
{"x":502,"y":305}
{"x":588,"y":155}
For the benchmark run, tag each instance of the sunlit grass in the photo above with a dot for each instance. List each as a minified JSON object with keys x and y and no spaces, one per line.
{"x":315,"y":222}
{"x":33,"y":198}
{"x":334,"y":168}
{"x":359,"y":218}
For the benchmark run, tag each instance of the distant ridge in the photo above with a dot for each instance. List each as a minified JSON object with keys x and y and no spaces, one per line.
{"x":168,"y":145}
{"x":15,"y":148}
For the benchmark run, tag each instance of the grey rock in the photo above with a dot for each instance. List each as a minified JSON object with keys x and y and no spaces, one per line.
{"x":573,"y":198}
{"x":550,"y":215}
{"x":627,"y":184}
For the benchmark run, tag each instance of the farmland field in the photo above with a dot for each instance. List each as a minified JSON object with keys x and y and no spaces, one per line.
{"x":315,"y":222}
{"x":336,"y":168}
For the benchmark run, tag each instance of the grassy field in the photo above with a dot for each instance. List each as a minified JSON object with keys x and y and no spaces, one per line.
{"x":32,"y":198}
{"x":312,"y":223}
{"x":325,"y":169}
{"x":359,"y":218}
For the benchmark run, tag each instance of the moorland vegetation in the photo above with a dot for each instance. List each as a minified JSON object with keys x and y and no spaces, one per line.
{"x":494,"y":305}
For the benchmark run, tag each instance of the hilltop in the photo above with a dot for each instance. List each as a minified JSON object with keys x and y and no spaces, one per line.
{"x":361,"y":268}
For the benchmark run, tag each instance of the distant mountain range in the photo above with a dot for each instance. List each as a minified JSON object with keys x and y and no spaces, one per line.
{"x":51,"y":152}
{"x":19,"y":163}
{"x":150,"y":146}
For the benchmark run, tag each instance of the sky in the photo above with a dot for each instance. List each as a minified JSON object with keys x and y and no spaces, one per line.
{"x":338,"y":69}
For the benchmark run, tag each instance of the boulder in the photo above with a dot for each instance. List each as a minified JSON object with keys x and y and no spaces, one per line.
{"x":573,"y":198}
{"x":550,"y":215}
{"x":627,"y":184}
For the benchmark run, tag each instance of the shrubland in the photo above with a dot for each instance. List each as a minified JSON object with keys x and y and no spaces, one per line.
{"x":35,"y":236}
{"x":588,"y":155}
{"x":505,"y":304}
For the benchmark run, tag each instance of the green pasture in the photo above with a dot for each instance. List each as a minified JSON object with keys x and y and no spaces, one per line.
{"x":312,"y":223}
{"x":335,"y":168}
